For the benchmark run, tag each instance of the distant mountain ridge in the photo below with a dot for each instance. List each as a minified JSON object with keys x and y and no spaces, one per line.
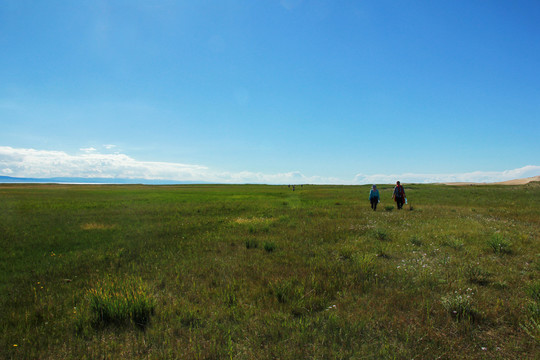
{"x":80,"y":180}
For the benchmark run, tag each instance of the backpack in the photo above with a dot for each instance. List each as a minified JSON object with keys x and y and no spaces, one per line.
{"x":398,"y":192}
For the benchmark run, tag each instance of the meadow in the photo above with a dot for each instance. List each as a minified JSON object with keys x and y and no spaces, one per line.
{"x":264,"y":272}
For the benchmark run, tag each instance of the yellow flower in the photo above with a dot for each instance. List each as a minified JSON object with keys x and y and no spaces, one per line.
{"x":15,"y":345}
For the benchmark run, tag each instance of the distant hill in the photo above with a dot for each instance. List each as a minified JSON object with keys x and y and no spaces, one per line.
{"x":79,"y":180}
{"x":522,"y":181}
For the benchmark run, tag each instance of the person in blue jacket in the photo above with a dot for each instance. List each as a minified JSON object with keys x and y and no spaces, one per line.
{"x":374,"y":197}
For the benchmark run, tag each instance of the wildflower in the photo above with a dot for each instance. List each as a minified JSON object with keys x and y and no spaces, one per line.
{"x":484,"y":348}
{"x":15,"y":345}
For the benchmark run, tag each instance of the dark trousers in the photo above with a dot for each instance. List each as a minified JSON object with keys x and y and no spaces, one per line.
{"x":399,"y":202}
{"x":374,"y":202}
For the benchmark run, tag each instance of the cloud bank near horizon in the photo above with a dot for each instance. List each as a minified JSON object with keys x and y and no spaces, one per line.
{"x":475,"y":176}
{"x":90,"y":163}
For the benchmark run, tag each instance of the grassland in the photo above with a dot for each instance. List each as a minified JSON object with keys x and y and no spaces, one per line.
{"x":262,"y":272}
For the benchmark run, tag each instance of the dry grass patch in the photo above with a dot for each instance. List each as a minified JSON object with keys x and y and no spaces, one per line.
{"x":97,"y":226}
{"x":256,"y":220}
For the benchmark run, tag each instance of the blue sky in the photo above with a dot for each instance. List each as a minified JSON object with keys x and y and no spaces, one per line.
{"x":271,"y":91}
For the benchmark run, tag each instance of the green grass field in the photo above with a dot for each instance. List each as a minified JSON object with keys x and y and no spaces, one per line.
{"x":262,"y":272}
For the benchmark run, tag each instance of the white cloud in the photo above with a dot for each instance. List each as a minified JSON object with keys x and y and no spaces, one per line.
{"x":92,"y":164}
{"x":476,"y":176}
{"x":88,"y":150}
{"x":46,"y":163}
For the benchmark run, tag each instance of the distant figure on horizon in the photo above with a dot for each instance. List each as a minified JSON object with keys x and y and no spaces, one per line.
{"x":374,"y":197}
{"x":399,"y":195}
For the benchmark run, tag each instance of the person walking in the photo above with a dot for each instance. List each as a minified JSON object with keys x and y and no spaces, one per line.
{"x":374,"y":197}
{"x":399,"y":195}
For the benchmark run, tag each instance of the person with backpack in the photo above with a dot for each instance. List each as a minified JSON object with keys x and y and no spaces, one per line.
{"x":374,"y":197}
{"x":399,"y":195}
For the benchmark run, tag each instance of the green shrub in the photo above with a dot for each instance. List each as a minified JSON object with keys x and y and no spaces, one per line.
{"x":252,"y":244}
{"x":416,"y":241}
{"x":381,"y":250}
{"x":269,"y":246}
{"x":475,"y":274}
{"x":453,"y":243}
{"x":381,"y":234}
{"x":288,"y":291}
{"x":388,"y":208}
{"x":190,"y":318}
{"x":499,"y":244}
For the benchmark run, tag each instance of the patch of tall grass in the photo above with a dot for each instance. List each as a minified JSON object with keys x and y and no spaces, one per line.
{"x":459,"y":306}
{"x":118,"y":302}
{"x":500,"y":244}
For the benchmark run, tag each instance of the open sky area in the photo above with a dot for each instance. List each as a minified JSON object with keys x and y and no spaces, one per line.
{"x":291,"y":91}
